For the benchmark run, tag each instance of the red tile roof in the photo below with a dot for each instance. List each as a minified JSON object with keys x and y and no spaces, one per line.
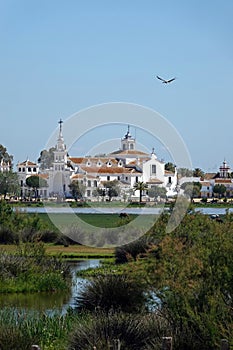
{"x":130,"y":152}
{"x":26,"y":163}
{"x":223,"y":181}
{"x":154,"y":180}
{"x":167,"y":172}
{"x":205,"y":183}
{"x":209,"y":176}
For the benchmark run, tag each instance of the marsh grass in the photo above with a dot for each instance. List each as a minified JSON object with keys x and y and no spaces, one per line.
{"x":30,"y":270}
{"x":111,"y":291}
{"x":133,"y":331}
{"x":20,"y":329}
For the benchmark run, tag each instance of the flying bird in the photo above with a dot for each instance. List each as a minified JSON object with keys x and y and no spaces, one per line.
{"x":165,"y":81}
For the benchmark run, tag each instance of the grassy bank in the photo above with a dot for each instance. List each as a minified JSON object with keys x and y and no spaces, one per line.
{"x":28,"y":268}
{"x":70,"y":252}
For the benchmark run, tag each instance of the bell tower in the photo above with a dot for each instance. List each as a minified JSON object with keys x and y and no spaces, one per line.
{"x":60,"y":153}
{"x":128,"y":142}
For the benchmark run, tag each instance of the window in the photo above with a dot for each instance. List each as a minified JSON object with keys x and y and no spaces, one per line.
{"x":153,"y":169}
{"x":169,"y":180}
{"x":126,"y":178}
{"x":34,"y":170}
{"x":19,"y":169}
{"x":89,"y":183}
{"x":23,"y":170}
{"x":88,"y":193}
{"x":108,"y":178}
{"x":118,"y":178}
{"x":21,"y":183}
{"x":136,"y":179}
{"x":124,"y":147}
{"x":131,"y":146}
{"x":95,"y":183}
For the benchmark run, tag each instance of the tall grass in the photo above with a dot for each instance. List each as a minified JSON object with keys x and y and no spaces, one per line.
{"x":107,"y":292}
{"x":132,"y":331}
{"x":19,"y":330}
{"x":30,"y":270}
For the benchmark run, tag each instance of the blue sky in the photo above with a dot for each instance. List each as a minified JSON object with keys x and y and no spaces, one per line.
{"x":58,"y":57}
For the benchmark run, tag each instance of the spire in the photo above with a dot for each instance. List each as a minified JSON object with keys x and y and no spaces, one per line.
{"x":60,"y":140}
{"x":128,"y":142}
{"x":60,"y":122}
{"x":153,"y":153}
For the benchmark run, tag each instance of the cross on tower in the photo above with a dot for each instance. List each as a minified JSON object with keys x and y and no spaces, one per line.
{"x":60,"y":122}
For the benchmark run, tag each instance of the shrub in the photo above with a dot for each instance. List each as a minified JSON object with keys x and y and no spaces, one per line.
{"x":106,"y":330}
{"x":111,"y":292}
{"x":131,"y":250}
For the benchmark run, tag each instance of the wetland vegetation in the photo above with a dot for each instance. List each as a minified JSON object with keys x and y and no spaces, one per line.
{"x":175,"y":284}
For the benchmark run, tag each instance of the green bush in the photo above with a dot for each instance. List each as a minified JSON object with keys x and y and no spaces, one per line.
{"x":30,"y":270}
{"x":131,"y":250}
{"x":108,"y":292}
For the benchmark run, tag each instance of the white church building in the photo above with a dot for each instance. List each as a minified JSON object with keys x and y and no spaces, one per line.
{"x":127,"y":166}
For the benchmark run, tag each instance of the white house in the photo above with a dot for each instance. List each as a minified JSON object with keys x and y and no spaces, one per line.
{"x":126,"y":165}
{"x":4,"y":166}
{"x":223,"y":177}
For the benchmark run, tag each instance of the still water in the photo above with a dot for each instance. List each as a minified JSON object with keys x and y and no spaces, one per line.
{"x":50,"y":302}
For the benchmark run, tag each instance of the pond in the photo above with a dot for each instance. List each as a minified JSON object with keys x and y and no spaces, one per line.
{"x":211,"y":211}
{"x":50,"y":302}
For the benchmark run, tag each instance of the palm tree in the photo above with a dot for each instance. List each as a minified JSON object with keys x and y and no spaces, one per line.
{"x":140,"y":186}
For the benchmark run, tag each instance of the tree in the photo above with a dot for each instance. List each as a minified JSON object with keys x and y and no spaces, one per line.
{"x":219,"y":189}
{"x":77,"y":190}
{"x":190,"y":270}
{"x":4,"y":155}
{"x":197,"y":172}
{"x":35,"y":182}
{"x":184,"y":172}
{"x":140,"y":186}
{"x":191,"y":189}
{"x":156,"y":191}
{"x":46,"y":158}
{"x":170,"y":167}
{"x":9,"y":183}
{"x":112,"y":188}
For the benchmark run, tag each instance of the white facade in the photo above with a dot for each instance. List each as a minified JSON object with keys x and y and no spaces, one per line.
{"x":223,"y":177}
{"x":126,"y":165}
{"x":4,"y":166}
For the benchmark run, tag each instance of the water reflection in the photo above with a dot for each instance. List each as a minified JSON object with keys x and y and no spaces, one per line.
{"x":50,"y":302}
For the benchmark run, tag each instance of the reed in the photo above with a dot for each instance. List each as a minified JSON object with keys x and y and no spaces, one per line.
{"x":20,"y":329}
